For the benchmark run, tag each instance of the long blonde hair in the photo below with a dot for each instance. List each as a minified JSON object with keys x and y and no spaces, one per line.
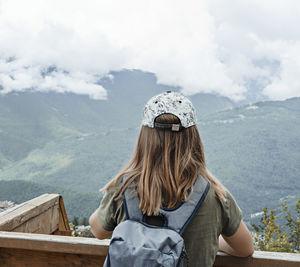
{"x":164,"y":167}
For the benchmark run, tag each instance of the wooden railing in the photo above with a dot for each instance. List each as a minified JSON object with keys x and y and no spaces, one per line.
{"x":38,"y":250}
{"x":259,"y":259}
{"x":46,"y":217}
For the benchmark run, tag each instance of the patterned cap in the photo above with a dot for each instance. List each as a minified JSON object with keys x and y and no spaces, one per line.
{"x":173,"y":103}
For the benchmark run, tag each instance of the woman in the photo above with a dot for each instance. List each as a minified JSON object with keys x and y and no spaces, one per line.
{"x":168,"y":158}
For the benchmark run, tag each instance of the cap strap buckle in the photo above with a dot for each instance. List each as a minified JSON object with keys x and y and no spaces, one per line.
{"x":175,"y":127}
{"x":170,"y":127}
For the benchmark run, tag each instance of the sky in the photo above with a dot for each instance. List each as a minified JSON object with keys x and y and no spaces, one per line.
{"x":231,"y":48}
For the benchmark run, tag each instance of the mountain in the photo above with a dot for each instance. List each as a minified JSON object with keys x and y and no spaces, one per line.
{"x":29,"y":120}
{"x":255,"y":151}
{"x":76,"y":144}
{"x":66,"y":135}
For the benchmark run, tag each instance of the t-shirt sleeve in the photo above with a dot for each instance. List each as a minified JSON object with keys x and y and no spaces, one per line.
{"x":110,"y":211}
{"x":232,"y":216}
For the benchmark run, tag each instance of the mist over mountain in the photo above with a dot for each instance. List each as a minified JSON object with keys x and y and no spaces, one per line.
{"x":30,"y":119}
{"x":73,"y":145}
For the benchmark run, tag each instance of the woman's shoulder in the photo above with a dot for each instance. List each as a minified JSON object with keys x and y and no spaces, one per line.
{"x":227,"y":210}
{"x":212,"y":199}
{"x":111,"y":211}
{"x":114,"y":186}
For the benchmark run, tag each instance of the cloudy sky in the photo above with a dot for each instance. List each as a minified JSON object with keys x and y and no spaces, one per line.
{"x":232,"y":48}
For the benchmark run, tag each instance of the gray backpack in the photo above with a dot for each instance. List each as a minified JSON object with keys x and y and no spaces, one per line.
{"x":135,"y":243}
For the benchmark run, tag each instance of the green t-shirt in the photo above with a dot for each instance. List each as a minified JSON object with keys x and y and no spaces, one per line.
{"x":214,"y":217}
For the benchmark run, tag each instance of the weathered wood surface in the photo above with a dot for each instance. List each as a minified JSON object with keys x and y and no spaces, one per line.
{"x":45,"y":214}
{"x":63,"y":223}
{"x":39,"y":250}
{"x":54,"y":243}
{"x":33,"y":258}
{"x":24,"y":249}
{"x":259,"y":259}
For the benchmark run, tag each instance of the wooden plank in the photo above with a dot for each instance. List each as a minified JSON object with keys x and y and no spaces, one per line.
{"x":13,"y":218}
{"x":39,"y":246}
{"x":54,"y":243}
{"x":25,"y":258}
{"x":277,"y":256}
{"x":259,"y":259}
{"x":33,"y":202}
{"x":45,"y":223}
{"x":63,"y":218}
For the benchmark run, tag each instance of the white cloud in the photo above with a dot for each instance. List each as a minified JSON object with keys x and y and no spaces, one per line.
{"x":286,"y":83}
{"x":18,"y":77}
{"x":202,"y":46}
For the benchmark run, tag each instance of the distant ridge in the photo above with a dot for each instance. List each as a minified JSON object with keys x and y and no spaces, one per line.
{"x":78,"y":144}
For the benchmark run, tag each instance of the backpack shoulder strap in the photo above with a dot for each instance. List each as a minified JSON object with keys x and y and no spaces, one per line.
{"x":177,"y":218}
{"x":131,"y":203}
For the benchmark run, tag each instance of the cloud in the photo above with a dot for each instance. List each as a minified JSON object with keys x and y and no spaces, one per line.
{"x":202,"y":46}
{"x":259,"y":40}
{"x":19,"y":77}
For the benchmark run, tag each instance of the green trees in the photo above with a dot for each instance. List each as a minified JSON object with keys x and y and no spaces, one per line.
{"x":270,"y":236}
{"x":293,"y":225}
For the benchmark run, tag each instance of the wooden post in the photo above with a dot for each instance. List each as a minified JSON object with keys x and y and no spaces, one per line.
{"x":45,"y":214}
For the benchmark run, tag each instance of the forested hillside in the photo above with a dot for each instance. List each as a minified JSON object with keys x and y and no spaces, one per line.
{"x":255,"y":151}
{"x":69,"y":143}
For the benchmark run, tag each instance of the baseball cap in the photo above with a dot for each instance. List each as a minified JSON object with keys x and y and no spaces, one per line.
{"x":171,"y":103}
